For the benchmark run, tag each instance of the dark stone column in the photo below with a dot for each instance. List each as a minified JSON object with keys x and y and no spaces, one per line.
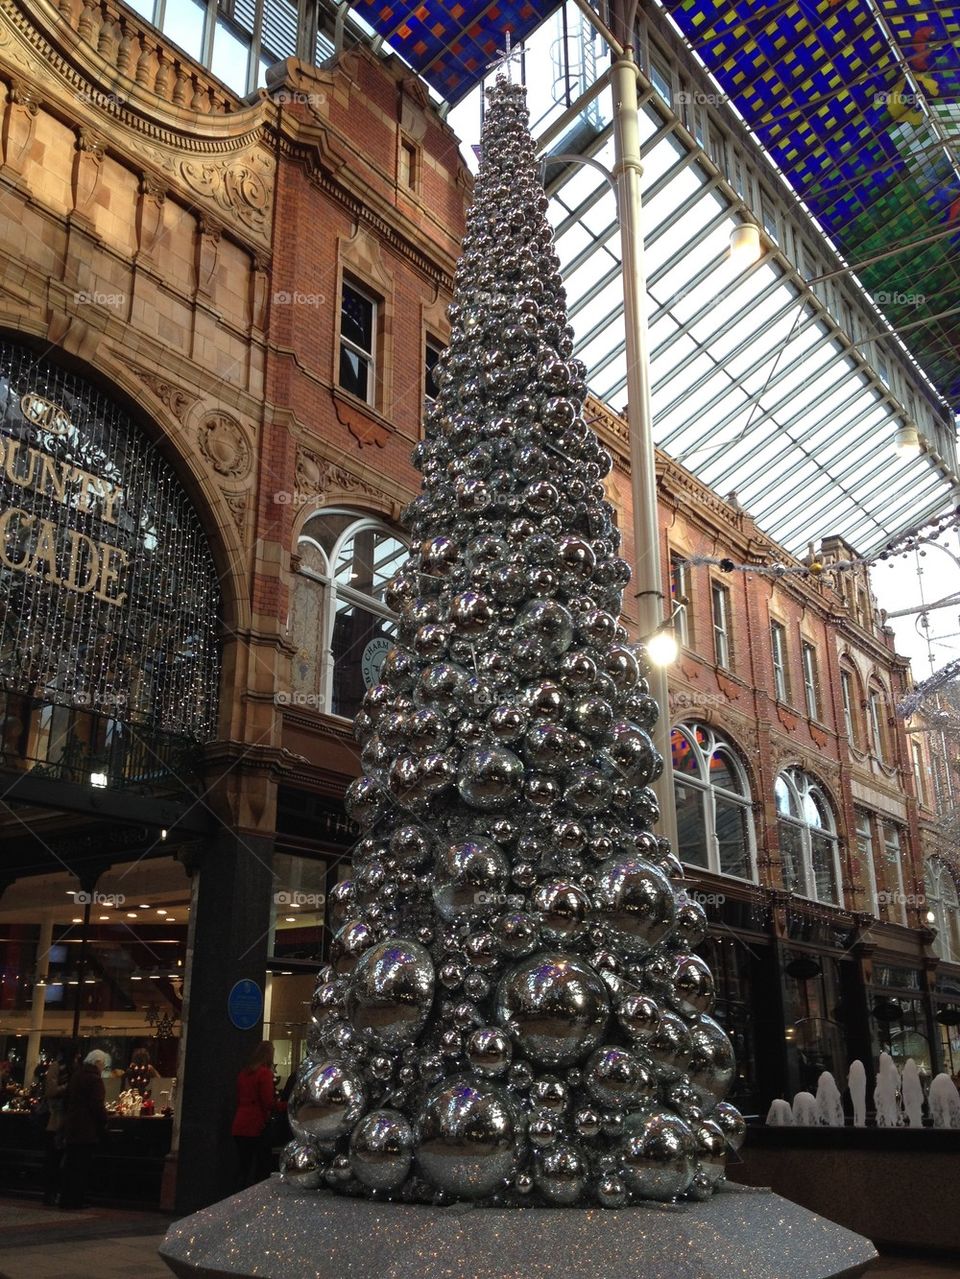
{"x":230,"y":921}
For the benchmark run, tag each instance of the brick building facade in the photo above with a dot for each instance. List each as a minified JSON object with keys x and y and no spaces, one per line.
{"x":259,"y":286}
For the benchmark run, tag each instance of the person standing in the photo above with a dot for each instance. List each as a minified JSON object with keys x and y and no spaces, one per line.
{"x":256,"y":1102}
{"x":84,"y":1121}
{"x":54,"y":1093}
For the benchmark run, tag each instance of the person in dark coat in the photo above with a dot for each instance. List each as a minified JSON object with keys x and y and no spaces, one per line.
{"x":55,"y":1090}
{"x":256,"y":1102}
{"x":84,"y":1120}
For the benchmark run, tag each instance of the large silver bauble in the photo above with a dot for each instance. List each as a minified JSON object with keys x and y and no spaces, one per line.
{"x":656,"y":1155}
{"x":616,"y":1077}
{"x":633,"y":752}
{"x":694,"y":990}
{"x":470,"y":878}
{"x":635,"y":901}
{"x":351,"y":941}
{"x":555,"y":1008}
{"x":669,"y":1047}
{"x":731,"y":1122}
{"x":391,"y":992}
{"x":711,"y":1150}
{"x":489,"y":777}
{"x":302,"y":1165}
{"x":550,"y":622}
{"x":465,"y":1138}
{"x":561,"y":1173}
{"x":712,"y":1063}
{"x":327,"y":1101}
{"x":381,"y":1149}
{"x":690,"y":926}
{"x":562,"y":909}
{"x":639,"y":1015}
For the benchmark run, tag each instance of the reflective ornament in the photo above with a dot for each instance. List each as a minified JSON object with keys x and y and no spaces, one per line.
{"x":656,"y":1155}
{"x":554,"y":1007}
{"x":561,"y":909}
{"x":712,"y":1063}
{"x":690,"y":926}
{"x":302,"y":1165}
{"x":465,"y":1138}
{"x":616,"y":1077}
{"x":611,"y":1190}
{"x":711,"y":1150}
{"x":694,"y":990}
{"x":732,"y":1124}
{"x":639,"y":1015}
{"x":381,"y":1150}
{"x":470,"y":878}
{"x":364,"y":801}
{"x":517,"y":933}
{"x":633,"y":753}
{"x":560,"y":1174}
{"x":669,"y":1047}
{"x":635,"y":902}
{"x":349,"y":944}
{"x":489,"y":778}
{"x":327,"y":1101}
{"x":489,"y":1051}
{"x":391,"y":992}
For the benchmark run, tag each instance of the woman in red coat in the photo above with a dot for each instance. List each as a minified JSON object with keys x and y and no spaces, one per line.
{"x":256,"y":1102}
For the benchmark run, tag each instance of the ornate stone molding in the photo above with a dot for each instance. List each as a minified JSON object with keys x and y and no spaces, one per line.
{"x":237,"y":504}
{"x":170,"y":395}
{"x":224,"y":445}
{"x":317,"y":478}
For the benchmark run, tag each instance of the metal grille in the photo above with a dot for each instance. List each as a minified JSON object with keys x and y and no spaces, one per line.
{"x":109,"y":597}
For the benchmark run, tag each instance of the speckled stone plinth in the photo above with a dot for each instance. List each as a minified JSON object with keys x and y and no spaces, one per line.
{"x":273,"y":1232}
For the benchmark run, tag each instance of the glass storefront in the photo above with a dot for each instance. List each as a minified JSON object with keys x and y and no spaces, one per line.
{"x":898,"y":1016}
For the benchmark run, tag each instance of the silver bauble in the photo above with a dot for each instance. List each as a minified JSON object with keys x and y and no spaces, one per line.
{"x":302,"y":1165}
{"x":364,"y":801}
{"x":656,"y":1155}
{"x":518,"y":933}
{"x":465,"y":1138}
{"x":555,"y":1008}
{"x":633,"y":753}
{"x":350,"y":942}
{"x":690,"y":926}
{"x":616,"y":1077}
{"x":587,"y":790}
{"x":381,"y":1149}
{"x":340,"y":902}
{"x":489,"y":1051}
{"x":669,"y":1047}
{"x":562,"y":910}
{"x":712,"y":1063}
{"x":327,"y":1101}
{"x":410,"y":845}
{"x":470,"y":878}
{"x":635,"y":902}
{"x":611,"y":1190}
{"x":731,"y":1122}
{"x":391,"y":992}
{"x":639,"y":1015}
{"x":489,"y":778}
{"x":550,"y":622}
{"x":561,"y":1174}
{"x":711,"y":1149}
{"x":694,"y":990}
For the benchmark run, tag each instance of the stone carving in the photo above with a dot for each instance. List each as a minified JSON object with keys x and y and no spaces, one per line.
{"x":243,"y":188}
{"x":317,"y":477}
{"x":224,"y":445}
{"x":237,"y":503}
{"x":170,"y":396}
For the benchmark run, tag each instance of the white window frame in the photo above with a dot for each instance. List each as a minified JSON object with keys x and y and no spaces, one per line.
{"x":778,"y":647}
{"x":334,"y":592}
{"x":708,"y":791}
{"x":369,"y":357}
{"x":721,"y":625}
{"x":937,"y":878}
{"x":916,"y":755}
{"x":680,"y":581}
{"x":808,"y":659}
{"x":801,"y":785}
{"x":846,"y":697}
{"x":889,"y":845}
{"x":874,"y":698}
{"x":865,"y":847}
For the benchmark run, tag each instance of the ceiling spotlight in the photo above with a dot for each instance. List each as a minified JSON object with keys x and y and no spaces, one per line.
{"x":745,"y":245}
{"x":907,"y":442}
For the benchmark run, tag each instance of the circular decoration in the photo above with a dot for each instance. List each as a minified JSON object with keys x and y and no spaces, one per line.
{"x":554,"y":1007}
{"x":224,"y":445}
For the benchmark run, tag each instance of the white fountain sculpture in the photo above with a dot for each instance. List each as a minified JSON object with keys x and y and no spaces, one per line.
{"x":780,"y":1115}
{"x":912,"y":1094}
{"x":829,"y":1102}
{"x":886,"y":1099}
{"x":857,"y":1083}
{"x":944,"y":1102}
{"x":805,"y":1112}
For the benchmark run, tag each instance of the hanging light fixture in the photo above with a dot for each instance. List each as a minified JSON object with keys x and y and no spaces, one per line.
{"x":907,"y":442}
{"x":744,"y":245}
{"x":662,"y":647}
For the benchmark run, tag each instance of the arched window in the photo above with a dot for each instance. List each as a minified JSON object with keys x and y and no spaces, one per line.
{"x":339,"y":622}
{"x":714,"y":815}
{"x":809,"y":848}
{"x":876,"y":720}
{"x":850,"y":698}
{"x":944,"y":905}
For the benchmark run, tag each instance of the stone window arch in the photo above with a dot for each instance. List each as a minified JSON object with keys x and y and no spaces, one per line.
{"x":714,"y":809}
{"x":339,"y":621}
{"x":809,"y":842}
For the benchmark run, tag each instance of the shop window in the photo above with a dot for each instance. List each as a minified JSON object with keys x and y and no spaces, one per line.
{"x":714,"y":812}
{"x":814,"y":1035}
{"x":680,"y":595}
{"x":781,"y":674}
{"x":807,"y":830}
{"x":432,"y":352}
{"x":811,"y":689}
{"x":358,"y":330}
{"x":943,"y":909}
{"x":339,"y":622}
{"x":722,"y":645}
{"x":866,"y":855}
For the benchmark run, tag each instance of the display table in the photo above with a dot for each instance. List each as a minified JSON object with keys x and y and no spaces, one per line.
{"x":275,"y":1232}
{"x":127,"y":1168}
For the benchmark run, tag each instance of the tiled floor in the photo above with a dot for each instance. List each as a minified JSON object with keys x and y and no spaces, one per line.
{"x":43,"y":1243}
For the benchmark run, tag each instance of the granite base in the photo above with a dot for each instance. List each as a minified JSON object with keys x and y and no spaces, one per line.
{"x":272,"y":1231}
